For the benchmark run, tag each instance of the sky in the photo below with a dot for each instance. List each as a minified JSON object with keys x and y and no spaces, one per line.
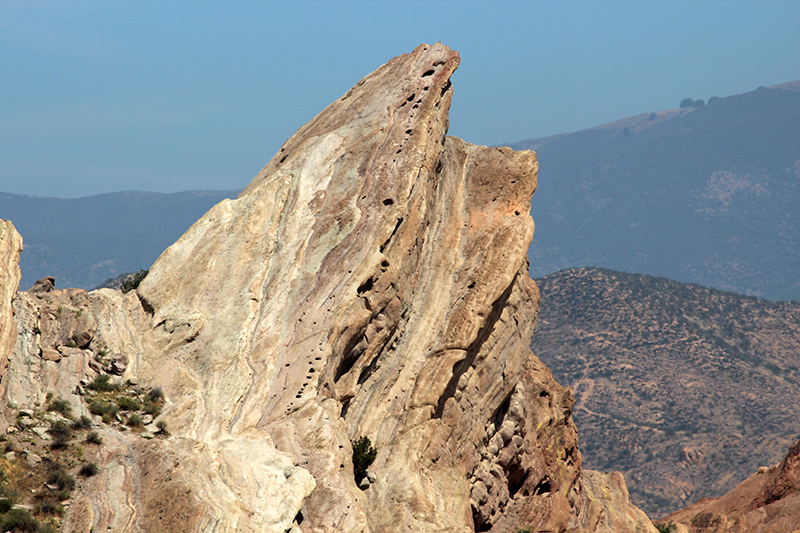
{"x":164,"y":96}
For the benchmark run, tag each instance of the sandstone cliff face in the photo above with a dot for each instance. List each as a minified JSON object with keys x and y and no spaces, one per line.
{"x":371,"y":281}
{"x":10,"y":249}
{"x":768,"y":501}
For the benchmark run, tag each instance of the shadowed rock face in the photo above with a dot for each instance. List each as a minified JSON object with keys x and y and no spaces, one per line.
{"x":371,"y":281}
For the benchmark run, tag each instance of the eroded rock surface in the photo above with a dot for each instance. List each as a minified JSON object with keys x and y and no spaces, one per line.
{"x":10,"y":249}
{"x":371,"y":281}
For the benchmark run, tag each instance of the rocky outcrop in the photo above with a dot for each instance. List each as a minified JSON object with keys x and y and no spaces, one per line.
{"x":370,"y":281}
{"x":10,"y":249}
{"x":767,"y":501}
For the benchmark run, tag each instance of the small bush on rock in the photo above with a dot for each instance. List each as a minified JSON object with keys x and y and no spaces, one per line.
{"x":18,"y":520}
{"x":363,"y":456}
{"x":94,"y":438}
{"x":133,"y":281}
{"x":89,"y":470}
{"x":102,"y":383}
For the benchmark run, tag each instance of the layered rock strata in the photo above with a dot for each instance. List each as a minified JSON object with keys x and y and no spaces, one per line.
{"x":370,"y":281}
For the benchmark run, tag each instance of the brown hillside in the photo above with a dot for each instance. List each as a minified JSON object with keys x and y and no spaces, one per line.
{"x":686,"y":390}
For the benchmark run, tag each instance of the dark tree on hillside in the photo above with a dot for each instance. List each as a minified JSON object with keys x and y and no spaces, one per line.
{"x":698,"y":103}
{"x":713,"y":99}
{"x":686,"y":102}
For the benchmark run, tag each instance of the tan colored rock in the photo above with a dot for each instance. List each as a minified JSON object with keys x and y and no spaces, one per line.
{"x":370,"y":281}
{"x":766,"y":502}
{"x":608,"y":508}
{"x":10,"y":249}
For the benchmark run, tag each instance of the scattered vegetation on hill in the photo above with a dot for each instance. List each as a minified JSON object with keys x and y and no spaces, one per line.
{"x":686,"y":390}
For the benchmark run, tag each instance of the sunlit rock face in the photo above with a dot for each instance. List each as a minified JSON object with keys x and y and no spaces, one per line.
{"x":370,"y":281}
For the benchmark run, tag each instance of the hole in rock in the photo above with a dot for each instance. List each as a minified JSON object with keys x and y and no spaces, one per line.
{"x":299,"y":518}
{"x":516,"y":213}
{"x":384,"y":263}
{"x":365,"y":287}
{"x":388,"y":201}
{"x":446,"y":87}
{"x":411,"y":98}
{"x":408,"y":132}
{"x":471,"y":285}
{"x":428,"y":73}
{"x":543,"y":487}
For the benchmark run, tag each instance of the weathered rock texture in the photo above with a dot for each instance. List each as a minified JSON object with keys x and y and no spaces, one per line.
{"x":371,"y":281}
{"x":766,"y":502}
{"x":10,"y":249}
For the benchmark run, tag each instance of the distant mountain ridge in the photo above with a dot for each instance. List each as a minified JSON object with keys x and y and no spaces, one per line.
{"x":685,"y":389}
{"x":83,"y":241}
{"x":705,"y":195}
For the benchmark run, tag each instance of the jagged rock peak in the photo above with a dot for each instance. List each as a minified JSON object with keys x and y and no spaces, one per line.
{"x":370,"y":281}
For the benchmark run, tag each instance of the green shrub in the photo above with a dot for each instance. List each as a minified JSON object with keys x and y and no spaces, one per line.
{"x":61,"y":479}
{"x":47,"y":528}
{"x":135,"y":421}
{"x":102,"y":383}
{"x":128,"y":404}
{"x":151,"y":409}
{"x":363,"y":456}
{"x":94,"y":438}
{"x":48,"y":504}
{"x":60,"y":406}
{"x":18,"y":520}
{"x":89,"y":470}
{"x":5,"y":505}
{"x":102,"y":408}
{"x":155,"y":395}
{"x":61,"y":434}
{"x":162,"y":427}
{"x":84,"y":422}
{"x":133,"y":281}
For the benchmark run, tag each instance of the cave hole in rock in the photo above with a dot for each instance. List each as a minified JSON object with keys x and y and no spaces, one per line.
{"x":478,"y":521}
{"x":516,"y":213}
{"x":408,"y":132}
{"x":446,"y":87}
{"x":385,"y":263}
{"x":299,"y":518}
{"x":500,"y":413}
{"x":345,"y":407}
{"x":516,"y":479}
{"x":365,"y":287}
{"x":388,"y":201}
{"x":471,"y":285}
{"x":543,"y":487}
{"x":411,"y":98}
{"x":428,"y":73}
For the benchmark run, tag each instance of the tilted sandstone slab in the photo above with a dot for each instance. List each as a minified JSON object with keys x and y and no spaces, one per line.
{"x":371,"y":281}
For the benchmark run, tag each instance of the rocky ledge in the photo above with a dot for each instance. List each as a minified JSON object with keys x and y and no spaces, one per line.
{"x":371,"y":281}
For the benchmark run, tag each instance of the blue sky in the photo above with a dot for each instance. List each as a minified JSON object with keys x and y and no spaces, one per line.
{"x":99,"y":97}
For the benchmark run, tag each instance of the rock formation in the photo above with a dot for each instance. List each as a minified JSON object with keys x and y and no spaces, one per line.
{"x":370,"y":281}
{"x":767,"y":501}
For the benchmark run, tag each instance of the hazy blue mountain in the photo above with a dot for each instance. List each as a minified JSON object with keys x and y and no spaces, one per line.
{"x":707,"y":195}
{"x":83,"y":241}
